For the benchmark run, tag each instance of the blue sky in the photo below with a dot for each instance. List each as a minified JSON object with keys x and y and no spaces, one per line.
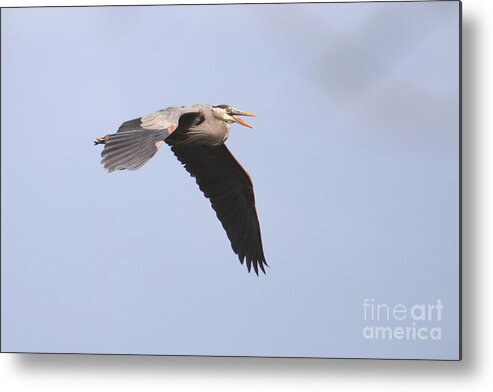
{"x":354,"y":159}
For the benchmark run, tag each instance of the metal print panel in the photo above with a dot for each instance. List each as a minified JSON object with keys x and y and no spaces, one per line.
{"x":331,"y":229}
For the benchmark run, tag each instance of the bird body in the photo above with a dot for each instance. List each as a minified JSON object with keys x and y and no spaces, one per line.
{"x":208,"y":130}
{"x":196,"y":135}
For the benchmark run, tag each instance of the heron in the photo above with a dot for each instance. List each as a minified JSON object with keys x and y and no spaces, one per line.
{"x":196,"y":135}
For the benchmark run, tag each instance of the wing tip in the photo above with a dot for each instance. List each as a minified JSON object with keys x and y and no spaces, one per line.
{"x":256,"y":263}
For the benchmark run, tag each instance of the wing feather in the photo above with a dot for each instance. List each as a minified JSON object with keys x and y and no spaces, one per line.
{"x":230,"y":190}
{"x":136,"y":141}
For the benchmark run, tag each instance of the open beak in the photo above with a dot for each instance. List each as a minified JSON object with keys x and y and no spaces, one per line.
{"x":236,"y":112}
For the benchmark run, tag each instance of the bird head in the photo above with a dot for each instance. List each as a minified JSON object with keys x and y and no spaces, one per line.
{"x":226,"y":113}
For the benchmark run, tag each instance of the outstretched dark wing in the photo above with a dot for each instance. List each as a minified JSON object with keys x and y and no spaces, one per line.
{"x":229,"y":188}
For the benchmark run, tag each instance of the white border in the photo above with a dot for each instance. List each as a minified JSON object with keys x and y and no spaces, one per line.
{"x":94,"y":373}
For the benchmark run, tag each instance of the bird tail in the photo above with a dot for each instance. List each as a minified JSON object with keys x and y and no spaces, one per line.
{"x":129,"y":150}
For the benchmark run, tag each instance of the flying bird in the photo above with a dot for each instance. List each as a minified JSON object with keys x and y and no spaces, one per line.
{"x":196,"y":135}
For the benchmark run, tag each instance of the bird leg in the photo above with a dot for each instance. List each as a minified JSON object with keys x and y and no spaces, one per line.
{"x":101,"y":140}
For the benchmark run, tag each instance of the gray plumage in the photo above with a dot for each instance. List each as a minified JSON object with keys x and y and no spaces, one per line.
{"x":196,"y":135}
